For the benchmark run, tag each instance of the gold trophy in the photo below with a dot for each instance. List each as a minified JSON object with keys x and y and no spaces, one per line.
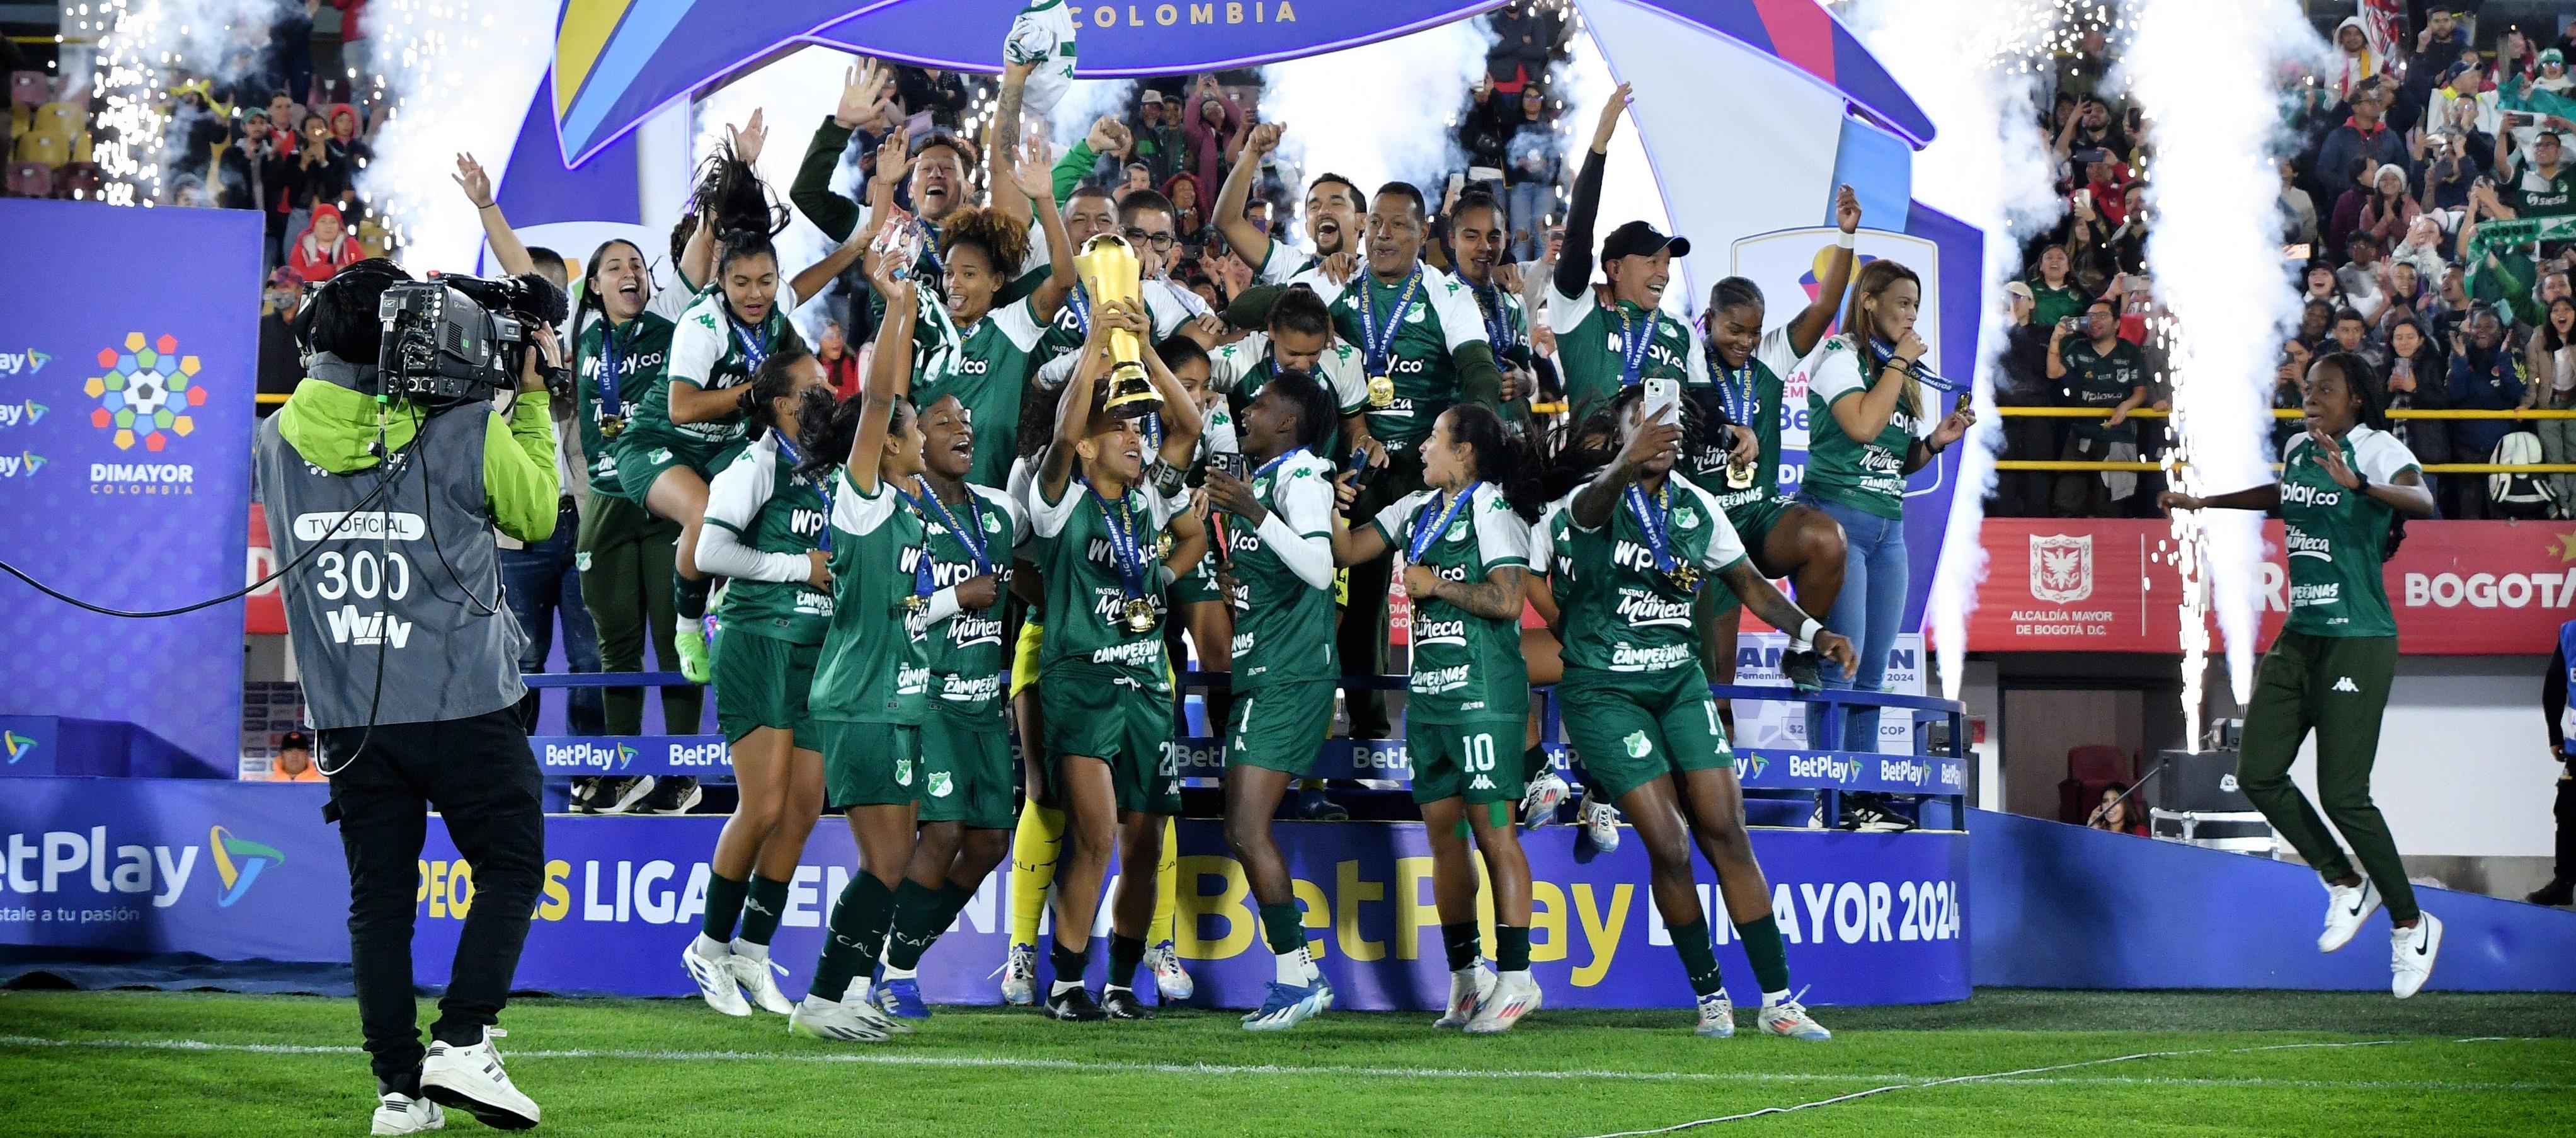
{"x":1110,"y":271}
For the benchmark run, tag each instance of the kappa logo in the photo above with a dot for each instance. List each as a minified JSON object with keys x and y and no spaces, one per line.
{"x":2061,"y":567}
{"x":238,"y":863}
{"x":939,"y":784}
{"x":1483,"y":782}
{"x":18,"y":746}
{"x":1638,"y":745}
{"x":2227,"y":784}
{"x":2344,"y":683}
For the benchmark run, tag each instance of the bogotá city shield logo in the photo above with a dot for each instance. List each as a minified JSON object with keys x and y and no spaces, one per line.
{"x":2061,"y":567}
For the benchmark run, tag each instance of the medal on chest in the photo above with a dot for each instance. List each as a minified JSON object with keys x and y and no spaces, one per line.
{"x":1379,"y":346}
{"x":1654,"y":516}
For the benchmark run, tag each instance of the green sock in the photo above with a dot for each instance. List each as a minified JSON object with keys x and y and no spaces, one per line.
{"x":1125,"y":953}
{"x":1699,"y":957}
{"x":915,"y":906}
{"x":689,"y":597}
{"x":858,"y":934}
{"x":1284,"y":927}
{"x":762,"y":909}
{"x":952,"y":901}
{"x":724,"y":906}
{"x":1511,"y":953}
{"x":1762,"y":943}
{"x":1463,"y":943}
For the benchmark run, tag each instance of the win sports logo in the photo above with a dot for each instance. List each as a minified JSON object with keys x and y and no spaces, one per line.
{"x":18,"y":746}
{"x":145,"y":392}
{"x":238,"y":862}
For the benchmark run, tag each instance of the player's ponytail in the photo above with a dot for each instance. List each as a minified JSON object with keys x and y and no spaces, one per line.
{"x":1501,"y":457}
{"x":1595,"y":442}
{"x":773,"y":382}
{"x":731,"y":195}
{"x":828,"y":427}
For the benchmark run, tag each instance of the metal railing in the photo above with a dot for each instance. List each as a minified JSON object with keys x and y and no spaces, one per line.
{"x":2072,"y":466}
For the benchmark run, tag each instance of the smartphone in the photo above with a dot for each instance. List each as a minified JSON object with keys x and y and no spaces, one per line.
{"x":2070,"y":323}
{"x":1357,"y":466}
{"x":1663,"y":401}
{"x":1229,"y":462}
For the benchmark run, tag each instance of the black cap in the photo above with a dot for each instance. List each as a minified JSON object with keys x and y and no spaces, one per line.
{"x":1638,"y":239}
{"x":295,"y":741}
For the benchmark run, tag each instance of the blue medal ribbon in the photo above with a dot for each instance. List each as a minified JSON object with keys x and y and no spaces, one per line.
{"x":755,"y":345}
{"x":1651,"y":516}
{"x":610,"y":406}
{"x":1123,"y":548}
{"x":1742,"y":394}
{"x":923,"y":584}
{"x":1880,"y":352}
{"x":1498,"y":320}
{"x":972,"y":535}
{"x":1381,"y":348}
{"x":1633,"y":345}
{"x":795,"y":463}
{"x":1423,"y":537}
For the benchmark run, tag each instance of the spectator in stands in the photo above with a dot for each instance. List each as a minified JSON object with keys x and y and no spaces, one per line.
{"x":2120,"y":812}
{"x":2298,"y":210}
{"x":2452,"y":304}
{"x":325,"y":247}
{"x":2316,"y":323}
{"x":1139,"y":177}
{"x":1525,"y":35}
{"x":289,"y":62}
{"x":2287,"y":394}
{"x":2551,"y":372}
{"x":2482,"y":378}
{"x":281,"y":358}
{"x":2023,"y":381}
{"x":2363,"y":279}
{"x":2421,"y":249}
{"x":2321,"y":285}
{"x":2352,"y":64}
{"x":941,"y":95}
{"x":2346,"y":218}
{"x":2390,"y":211}
{"x":1212,"y":128}
{"x":346,"y":145}
{"x":1484,"y":133}
{"x":1157,"y":135}
{"x":1189,"y":221}
{"x":357,"y":59}
{"x":2097,"y":369}
{"x":2080,"y":72}
{"x":2538,"y":183}
{"x":840,"y":364}
{"x":2449,"y":176}
{"x":2352,"y":334}
{"x":284,"y":113}
{"x":1535,"y":155}
{"x":2054,"y":297}
{"x":2439,"y":45}
{"x":316,"y":176}
{"x":2363,"y":138}
{"x":294,"y":761}
{"x":2417,"y":381}
{"x":2555,"y":691}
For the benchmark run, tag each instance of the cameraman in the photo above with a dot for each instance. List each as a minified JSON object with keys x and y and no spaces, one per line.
{"x":411,"y":673}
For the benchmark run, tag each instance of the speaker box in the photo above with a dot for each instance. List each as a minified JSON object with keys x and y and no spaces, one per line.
{"x":2201,"y":782}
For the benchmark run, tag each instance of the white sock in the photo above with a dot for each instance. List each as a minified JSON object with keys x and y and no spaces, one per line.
{"x":1291,"y":967}
{"x":759,"y":952}
{"x":709,"y":948}
{"x":894,"y":973}
{"x":1775,"y":999}
{"x":1306,"y":962}
{"x":1799,"y":643}
{"x":858,"y":991}
{"x":1522,"y":973}
{"x":1061,"y":987}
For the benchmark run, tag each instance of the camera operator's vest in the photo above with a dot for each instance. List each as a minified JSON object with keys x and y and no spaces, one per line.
{"x":412,"y":584}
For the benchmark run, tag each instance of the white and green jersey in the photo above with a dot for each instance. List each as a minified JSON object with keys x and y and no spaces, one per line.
{"x":1594,"y":344}
{"x":1464,"y":666}
{"x":1751,"y":398}
{"x":988,"y":375}
{"x":1421,"y":347}
{"x":642,"y":347}
{"x":875,"y":664}
{"x":770,"y":508}
{"x":708,"y":353}
{"x":967,"y":658}
{"x":1241,"y":369}
{"x":1286,"y":266}
{"x":1087,"y":596}
{"x":1168,"y":307}
{"x":1622,"y":611}
{"x":1863,"y":475}
{"x":1283,"y":619}
{"x":2337,"y":538}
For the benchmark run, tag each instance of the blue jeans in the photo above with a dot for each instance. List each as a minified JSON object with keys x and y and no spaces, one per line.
{"x":540,"y":584}
{"x":1867,"y":611}
{"x":1528,"y":205}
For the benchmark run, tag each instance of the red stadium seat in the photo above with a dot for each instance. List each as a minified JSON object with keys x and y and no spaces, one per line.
{"x":30,"y":89}
{"x":80,"y":177}
{"x":2089,"y":768}
{"x":30,"y":180}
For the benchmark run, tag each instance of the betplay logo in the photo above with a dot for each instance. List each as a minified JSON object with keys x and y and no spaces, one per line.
{"x":22,"y":414}
{"x":28,"y":362}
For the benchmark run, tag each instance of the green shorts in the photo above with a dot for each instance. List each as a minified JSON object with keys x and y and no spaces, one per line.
{"x":869,"y":764}
{"x":1753,"y":522}
{"x":1478,"y":760}
{"x":642,"y":456}
{"x":1631,"y":728}
{"x":762,"y":681}
{"x":1280,"y":726}
{"x":1197,"y":585}
{"x":1088,"y":713}
{"x":968,"y":771}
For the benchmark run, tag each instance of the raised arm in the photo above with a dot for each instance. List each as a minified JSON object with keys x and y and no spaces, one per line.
{"x":1006,"y":137}
{"x":1181,"y":421}
{"x":1250,"y":242}
{"x":811,"y":193}
{"x":506,"y":249}
{"x":1033,"y":178}
{"x":1813,"y":321}
{"x":894,"y":160}
{"x":811,"y":280}
{"x":1594,"y":503}
{"x":889,"y":380}
{"x":1574,"y":262}
{"x":1073,"y":415}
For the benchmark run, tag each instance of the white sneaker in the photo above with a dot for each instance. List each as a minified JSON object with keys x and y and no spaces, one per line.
{"x":1020,"y":976}
{"x":2411,"y":955}
{"x":849,"y":1021}
{"x":715,"y":979}
{"x":634,"y":790}
{"x":400,"y":1113}
{"x":1716,"y":1017}
{"x":1515,"y":995}
{"x":1600,"y":821}
{"x":2347,"y":906}
{"x":1789,"y":1020}
{"x":758,"y":978}
{"x":1169,"y":978}
{"x":470,"y":1079}
{"x":1538,"y":806}
{"x":1468,"y":988}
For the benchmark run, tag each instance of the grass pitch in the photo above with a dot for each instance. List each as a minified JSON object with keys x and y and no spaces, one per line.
{"x":2026,"y":1063}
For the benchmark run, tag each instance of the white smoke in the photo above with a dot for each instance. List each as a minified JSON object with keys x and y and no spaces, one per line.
{"x":1085,"y":102}
{"x":2213,"y":103}
{"x":147,"y":48}
{"x":458,"y":75}
{"x":1965,"y":63}
{"x":794,"y":93}
{"x":1381,"y":112}
{"x":1628,"y":187}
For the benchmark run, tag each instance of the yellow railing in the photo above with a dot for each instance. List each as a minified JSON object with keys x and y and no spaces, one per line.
{"x":2286,"y":413}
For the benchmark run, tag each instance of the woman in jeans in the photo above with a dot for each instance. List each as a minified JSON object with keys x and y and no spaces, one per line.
{"x":1871,"y":425}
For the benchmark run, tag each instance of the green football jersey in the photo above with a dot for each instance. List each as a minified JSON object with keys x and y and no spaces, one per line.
{"x":1241,"y":369}
{"x":1621,"y":612}
{"x":1439,"y":319}
{"x":1594,"y":344}
{"x":875,"y":664}
{"x":1283,"y":623}
{"x":2104,"y":380}
{"x":1506,"y":322}
{"x":1464,"y":666}
{"x":1867,"y":476}
{"x":967,"y":658}
{"x":770,"y":508}
{"x":1086,"y":596}
{"x":1750,"y":397}
{"x":2336,"y":538}
{"x":707,"y":353}
{"x":643,"y":351}
{"x":988,"y":375}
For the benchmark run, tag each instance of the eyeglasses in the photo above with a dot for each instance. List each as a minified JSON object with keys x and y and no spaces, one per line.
{"x":1136,"y":234}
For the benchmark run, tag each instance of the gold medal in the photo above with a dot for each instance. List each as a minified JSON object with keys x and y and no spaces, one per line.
{"x":916,"y":604}
{"x":610,"y":426}
{"x":1140,"y":615}
{"x":1739,"y":477}
{"x":1684,"y":578}
{"x":1163,"y":544}
{"x":1381,"y":391}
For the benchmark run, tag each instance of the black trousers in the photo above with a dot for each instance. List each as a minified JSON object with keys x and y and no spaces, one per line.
{"x":2565,"y":812}
{"x":1360,"y":638}
{"x":481,"y":778}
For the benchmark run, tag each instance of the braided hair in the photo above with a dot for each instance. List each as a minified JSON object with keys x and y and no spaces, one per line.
{"x":1593,"y":443}
{"x":2368,"y":390}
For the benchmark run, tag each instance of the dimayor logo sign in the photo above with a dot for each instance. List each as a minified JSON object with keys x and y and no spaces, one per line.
{"x":145,"y":392}
{"x":238,"y":863}
{"x":18,"y":746}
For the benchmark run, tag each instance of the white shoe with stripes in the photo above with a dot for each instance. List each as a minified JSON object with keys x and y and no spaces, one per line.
{"x":398,"y":1113}
{"x":470,"y":1079}
{"x":1515,"y":995}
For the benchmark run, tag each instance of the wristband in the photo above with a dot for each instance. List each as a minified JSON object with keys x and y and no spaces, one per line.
{"x":1807,"y":632}
{"x":1164,"y":572}
{"x":1846,"y":240}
